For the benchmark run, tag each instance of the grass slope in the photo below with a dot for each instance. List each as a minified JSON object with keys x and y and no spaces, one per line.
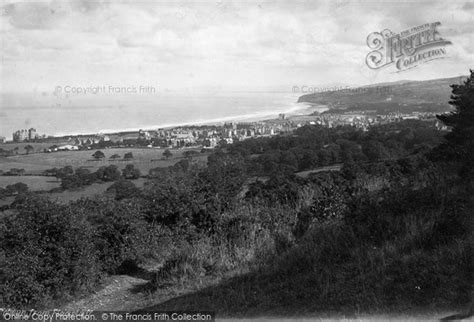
{"x":408,"y":96}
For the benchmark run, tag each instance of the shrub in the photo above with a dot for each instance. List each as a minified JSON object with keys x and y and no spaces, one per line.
{"x":49,"y":253}
{"x":119,"y":230}
{"x":109,"y":173}
{"x":17,"y":188}
{"x":71,"y":182}
{"x":130,"y":172}
{"x":124,"y":189}
{"x":98,"y":155}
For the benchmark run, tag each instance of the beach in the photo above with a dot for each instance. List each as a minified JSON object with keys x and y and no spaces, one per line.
{"x":87,"y":115}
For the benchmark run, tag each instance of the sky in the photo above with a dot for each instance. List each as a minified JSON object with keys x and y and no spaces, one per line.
{"x":224,"y":45}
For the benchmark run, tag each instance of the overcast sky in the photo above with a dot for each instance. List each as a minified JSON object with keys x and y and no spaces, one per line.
{"x":216,"y":44}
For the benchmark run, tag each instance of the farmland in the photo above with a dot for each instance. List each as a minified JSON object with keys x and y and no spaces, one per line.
{"x":19,"y":147}
{"x":35,"y":163}
{"x":87,"y":191}
{"x":143,"y":159}
{"x":41,"y":183}
{"x":35,"y":183}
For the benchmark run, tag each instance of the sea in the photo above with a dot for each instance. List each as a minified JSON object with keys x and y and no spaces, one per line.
{"x":77,"y":115}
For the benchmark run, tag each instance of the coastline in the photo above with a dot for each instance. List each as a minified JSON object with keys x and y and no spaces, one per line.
{"x":298,"y":109}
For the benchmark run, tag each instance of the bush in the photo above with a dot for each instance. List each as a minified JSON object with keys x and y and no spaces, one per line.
{"x":98,"y":155}
{"x":330,"y":268}
{"x":109,"y":173}
{"x":124,"y":189}
{"x":393,"y":212}
{"x":15,"y":189}
{"x":120,"y":231}
{"x":130,"y":172}
{"x":49,"y":253}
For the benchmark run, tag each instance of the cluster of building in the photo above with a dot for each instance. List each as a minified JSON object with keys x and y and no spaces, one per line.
{"x":210,"y":136}
{"x":26,"y":135}
{"x":207,"y":136}
{"x":364,"y":121}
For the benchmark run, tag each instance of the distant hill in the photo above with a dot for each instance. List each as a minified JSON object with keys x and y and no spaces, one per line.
{"x":402,"y":96}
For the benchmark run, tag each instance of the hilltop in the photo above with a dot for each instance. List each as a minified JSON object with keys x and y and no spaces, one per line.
{"x":401,"y":96}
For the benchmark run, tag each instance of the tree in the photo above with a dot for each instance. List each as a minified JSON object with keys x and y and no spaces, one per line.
{"x":225,"y":174}
{"x":110,"y":173}
{"x":115,"y":156}
{"x":15,"y":172}
{"x":71,"y":182}
{"x":130,"y":172}
{"x":28,"y":149}
{"x":17,"y":188}
{"x":98,"y":155}
{"x":128,"y":156}
{"x":3,"y":193}
{"x":288,"y":158}
{"x":324,"y":157}
{"x":189,"y":154}
{"x":64,"y":172}
{"x":181,"y":166}
{"x":169,"y":202}
{"x":460,"y":140}
{"x":124,"y":189}
{"x":374,"y":150}
{"x":350,"y":150}
{"x":85,"y":176}
{"x":167,"y":154}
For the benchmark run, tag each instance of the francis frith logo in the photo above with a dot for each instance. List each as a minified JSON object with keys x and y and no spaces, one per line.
{"x":406,"y":49}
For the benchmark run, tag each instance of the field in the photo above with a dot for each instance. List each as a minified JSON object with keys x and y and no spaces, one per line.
{"x":37,"y":147}
{"x":34,"y":164}
{"x":39,"y":183}
{"x":144,"y":159}
{"x":87,"y":191}
{"x":35,"y":183}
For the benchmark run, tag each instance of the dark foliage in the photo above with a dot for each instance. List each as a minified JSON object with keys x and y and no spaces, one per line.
{"x":130,"y":172}
{"x":124,"y":189}
{"x":460,"y":140}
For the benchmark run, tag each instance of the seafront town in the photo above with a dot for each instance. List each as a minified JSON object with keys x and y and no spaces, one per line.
{"x":211,"y":135}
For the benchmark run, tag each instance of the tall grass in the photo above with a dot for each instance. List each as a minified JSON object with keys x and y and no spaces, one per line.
{"x":247,"y":237}
{"x":391,"y":258}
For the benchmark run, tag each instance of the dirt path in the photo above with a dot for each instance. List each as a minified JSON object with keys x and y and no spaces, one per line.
{"x":121,"y":293}
{"x":128,"y":293}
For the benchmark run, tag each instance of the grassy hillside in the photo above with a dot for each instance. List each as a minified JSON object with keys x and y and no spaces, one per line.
{"x":421,"y":261}
{"x":430,"y":95}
